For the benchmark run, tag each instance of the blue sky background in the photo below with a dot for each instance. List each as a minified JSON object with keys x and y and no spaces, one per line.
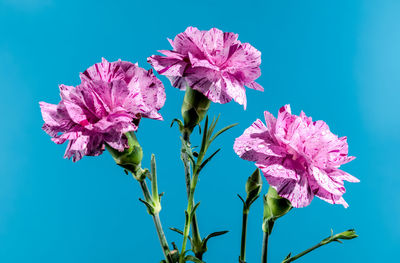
{"x":337,"y":60}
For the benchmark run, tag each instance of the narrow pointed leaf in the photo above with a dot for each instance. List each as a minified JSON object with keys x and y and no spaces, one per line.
{"x":222,"y":131}
{"x":179,"y":122}
{"x":149,"y":206}
{"x":179,"y":232}
{"x":194,"y":208}
{"x":208,"y":159}
{"x":176,"y":230}
{"x":244,"y":203}
{"x":215,"y":234}
{"x":204,"y":139}
{"x":193,"y":259}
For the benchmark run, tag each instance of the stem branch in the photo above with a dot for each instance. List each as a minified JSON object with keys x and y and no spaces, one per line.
{"x":186,"y":162}
{"x":242,"y":257}
{"x":157,"y":223}
{"x":264,"y":256}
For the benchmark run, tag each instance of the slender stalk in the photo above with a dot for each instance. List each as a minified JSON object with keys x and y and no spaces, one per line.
{"x":189,"y":216}
{"x":303,"y":253}
{"x":242,"y":257}
{"x":264,"y":255}
{"x":190,"y":213}
{"x":157,"y":223}
{"x":186,"y":162}
{"x":346,"y":235}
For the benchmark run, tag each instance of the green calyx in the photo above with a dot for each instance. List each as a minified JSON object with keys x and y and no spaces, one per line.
{"x":253,"y":187}
{"x":131,"y":157}
{"x":349,"y":234}
{"x":194,"y":108}
{"x":274,"y":207}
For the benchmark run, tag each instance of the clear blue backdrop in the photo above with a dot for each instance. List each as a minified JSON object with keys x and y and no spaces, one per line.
{"x":337,"y":60}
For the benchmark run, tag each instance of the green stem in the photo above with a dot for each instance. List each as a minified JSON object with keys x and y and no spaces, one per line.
{"x":303,"y":253}
{"x":186,"y":162}
{"x":189,"y":216}
{"x":349,"y":234}
{"x":242,"y":257}
{"x":264,"y":255}
{"x":157,"y":223}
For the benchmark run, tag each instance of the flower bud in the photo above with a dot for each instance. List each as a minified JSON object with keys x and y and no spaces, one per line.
{"x":274,"y":207}
{"x":194,"y":107}
{"x":131,"y":157}
{"x":253,"y":187}
{"x":349,"y":234}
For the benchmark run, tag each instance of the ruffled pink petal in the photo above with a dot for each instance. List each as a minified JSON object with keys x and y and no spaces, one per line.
{"x":244,"y":64}
{"x":256,"y":144}
{"x":109,"y":102}
{"x":195,"y":62}
{"x":297,"y":192}
{"x":340,"y":175}
{"x":151,"y":94}
{"x":212,"y":62}
{"x":235,"y":91}
{"x":189,"y":41}
{"x":168,"y":66}
{"x":104,"y":71}
{"x":323,"y":180}
{"x":309,"y":161}
{"x":254,"y":85}
{"x":331,"y":198}
{"x":283,"y":123}
{"x":178,"y":82}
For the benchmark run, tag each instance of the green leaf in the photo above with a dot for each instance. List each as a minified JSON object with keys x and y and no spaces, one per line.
{"x":193,"y":259}
{"x":208,"y":159}
{"x":188,"y":151}
{"x":176,"y":230}
{"x":212,"y":126}
{"x":288,"y":256}
{"x":222,"y":131}
{"x":179,"y":122}
{"x":244,"y":203}
{"x":215,"y":234}
{"x":150,"y":208}
{"x":154,"y":187}
{"x":194,"y":209}
{"x":204,"y":139}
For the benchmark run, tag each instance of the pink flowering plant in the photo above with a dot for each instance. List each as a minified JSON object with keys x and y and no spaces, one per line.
{"x":298,"y":157}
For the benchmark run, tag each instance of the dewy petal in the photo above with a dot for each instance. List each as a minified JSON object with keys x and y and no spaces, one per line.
{"x":270,"y":120}
{"x":323,"y":180}
{"x":256,"y":144}
{"x":308,"y":161}
{"x":297,"y":192}
{"x":277,"y":168}
{"x":283,"y":122}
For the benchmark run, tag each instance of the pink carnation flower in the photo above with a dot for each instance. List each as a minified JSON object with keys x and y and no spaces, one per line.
{"x":212,"y":62}
{"x":298,"y":157}
{"x":110,"y":101}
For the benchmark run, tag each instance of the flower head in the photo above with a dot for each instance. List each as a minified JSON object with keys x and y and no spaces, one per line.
{"x":212,"y":62}
{"x":298,"y":157}
{"x":110,"y":101}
